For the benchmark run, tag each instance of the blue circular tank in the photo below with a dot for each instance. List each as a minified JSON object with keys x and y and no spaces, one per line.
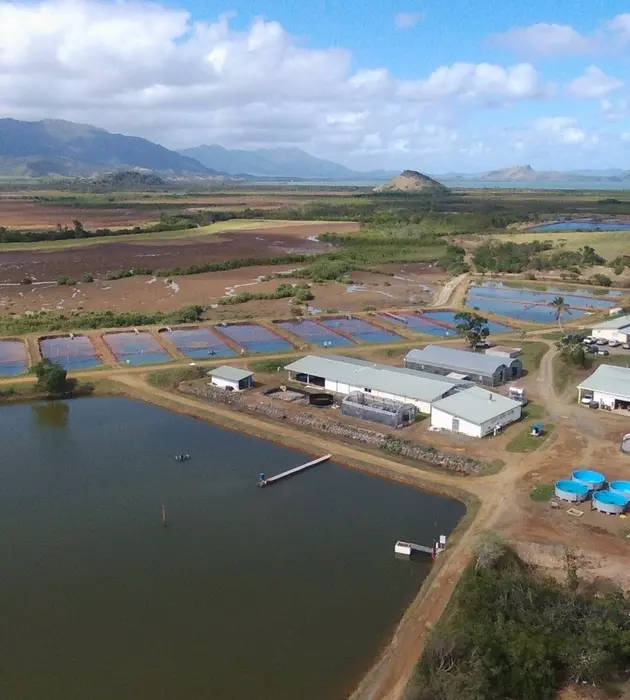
{"x":594,"y":480}
{"x":609,"y":502}
{"x":621,"y":487}
{"x":572,"y":491}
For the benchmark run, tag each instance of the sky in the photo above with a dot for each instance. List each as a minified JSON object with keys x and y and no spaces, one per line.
{"x":433,"y":85}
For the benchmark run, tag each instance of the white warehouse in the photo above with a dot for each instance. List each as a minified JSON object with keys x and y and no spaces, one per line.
{"x":615,"y":329}
{"x":344,"y":375}
{"x":609,"y":385}
{"x":231,"y":378}
{"x":475,"y":412}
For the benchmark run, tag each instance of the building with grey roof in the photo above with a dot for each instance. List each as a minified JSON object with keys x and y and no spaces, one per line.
{"x":475,"y":412}
{"x":609,"y":385}
{"x":344,"y":375}
{"x":473,"y":366}
{"x":615,"y":329}
{"x":234,"y":378}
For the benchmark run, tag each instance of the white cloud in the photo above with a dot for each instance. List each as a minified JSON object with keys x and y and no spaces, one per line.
{"x":563,"y":40}
{"x":594,"y":84}
{"x":561,"y":129}
{"x":544,"y":40}
{"x":406,"y":20}
{"x":615,"y":111}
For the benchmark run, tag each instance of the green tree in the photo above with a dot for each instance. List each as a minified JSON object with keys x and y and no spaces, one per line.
{"x":51,"y":377}
{"x":560,"y":307}
{"x":473,"y":327}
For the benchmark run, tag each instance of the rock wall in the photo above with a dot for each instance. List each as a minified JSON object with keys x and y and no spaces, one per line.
{"x":321,"y":424}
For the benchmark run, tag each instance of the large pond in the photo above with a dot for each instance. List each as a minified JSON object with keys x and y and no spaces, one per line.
{"x":584,"y":225}
{"x":531,"y":304}
{"x":275,"y":594}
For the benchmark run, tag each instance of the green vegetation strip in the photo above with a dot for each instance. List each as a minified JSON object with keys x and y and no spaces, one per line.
{"x":544,"y":492}
{"x":524,"y":442}
{"x":511,"y":632}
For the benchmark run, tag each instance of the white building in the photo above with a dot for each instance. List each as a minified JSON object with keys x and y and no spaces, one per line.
{"x":475,"y":412}
{"x":609,"y":385}
{"x":344,"y":375}
{"x":615,"y":329}
{"x":233,"y":378}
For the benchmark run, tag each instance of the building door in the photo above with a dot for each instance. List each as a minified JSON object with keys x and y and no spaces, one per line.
{"x":455,"y":424}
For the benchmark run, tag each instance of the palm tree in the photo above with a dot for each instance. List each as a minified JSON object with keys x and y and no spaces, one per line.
{"x":560,"y":307}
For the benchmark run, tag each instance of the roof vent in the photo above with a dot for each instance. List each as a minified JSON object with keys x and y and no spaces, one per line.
{"x":490,"y":396}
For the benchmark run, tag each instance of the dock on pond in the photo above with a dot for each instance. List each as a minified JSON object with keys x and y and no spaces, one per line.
{"x":263,"y":481}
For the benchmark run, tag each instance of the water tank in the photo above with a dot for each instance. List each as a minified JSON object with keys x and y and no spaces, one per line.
{"x":594,"y":480}
{"x":572,"y":491}
{"x":620,"y":487}
{"x":321,"y":400}
{"x":609,"y":502}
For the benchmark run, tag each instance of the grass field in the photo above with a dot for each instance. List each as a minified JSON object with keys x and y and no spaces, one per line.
{"x":609,"y":244}
{"x":219,"y":227}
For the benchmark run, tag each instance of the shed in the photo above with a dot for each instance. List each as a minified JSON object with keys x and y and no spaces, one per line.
{"x":609,"y":385}
{"x":504,"y":351}
{"x":616,"y":329}
{"x":475,"y":412}
{"x":344,"y":375}
{"x":233,"y":378}
{"x":480,"y":368}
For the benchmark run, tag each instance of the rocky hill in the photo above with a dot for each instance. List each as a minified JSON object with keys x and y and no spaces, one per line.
{"x":411,"y":181}
{"x":54,"y":147}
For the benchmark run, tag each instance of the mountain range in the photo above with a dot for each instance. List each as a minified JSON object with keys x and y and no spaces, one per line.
{"x":58,"y":148}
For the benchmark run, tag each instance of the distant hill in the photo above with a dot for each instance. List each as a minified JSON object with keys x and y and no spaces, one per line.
{"x":412,"y":181}
{"x":518,"y":173}
{"x":525,"y":173}
{"x":277,"y":162}
{"x":128,"y":180}
{"x":56,"y":147}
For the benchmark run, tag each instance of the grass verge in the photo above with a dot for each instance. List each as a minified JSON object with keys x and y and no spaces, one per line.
{"x":544,"y":492}
{"x":524,"y":442}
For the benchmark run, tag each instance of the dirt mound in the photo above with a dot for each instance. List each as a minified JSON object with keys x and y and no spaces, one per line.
{"x":411,"y":181}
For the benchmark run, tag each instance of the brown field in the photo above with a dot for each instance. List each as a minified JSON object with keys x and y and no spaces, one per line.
{"x":32,"y":215}
{"x":97,"y":259}
{"x":159,"y":293}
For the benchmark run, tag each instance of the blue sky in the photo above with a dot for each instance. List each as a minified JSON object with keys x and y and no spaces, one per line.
{"x":427,"y":84}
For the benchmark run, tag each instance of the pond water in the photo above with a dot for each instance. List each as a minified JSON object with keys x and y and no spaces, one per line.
{"x":274,"y":594}
{"x":583,"y":225}
{"x":72,"y":353}
{"x":358,"y":328}
{"x":532,"y":304}
{"x":448,"y":317}
{"x":136,"y":348}
{"x":198,"y":343}
{"x":255,"y":338}
{"x":423,"y":323}
{"x":12,"y":358}
{"x":315,"y":333}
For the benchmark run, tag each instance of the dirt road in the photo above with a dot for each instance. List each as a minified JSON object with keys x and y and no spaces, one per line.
{"x":445,"y":293}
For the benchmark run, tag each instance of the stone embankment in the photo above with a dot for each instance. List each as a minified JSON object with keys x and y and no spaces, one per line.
{"x":372,"y":438}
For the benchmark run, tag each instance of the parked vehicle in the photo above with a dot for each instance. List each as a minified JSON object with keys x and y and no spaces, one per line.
{"x":626,"y":346}
{"x":592,"y":348}
{"x":589,"y":340}
{"x":613,"y":343}
{"x":594,"y":404}
{"x":587,"y":399}
{"x":601,"y":341}
{"x":603,"y":352}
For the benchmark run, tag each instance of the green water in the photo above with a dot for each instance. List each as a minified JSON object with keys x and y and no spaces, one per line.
{"x":284,"y":593}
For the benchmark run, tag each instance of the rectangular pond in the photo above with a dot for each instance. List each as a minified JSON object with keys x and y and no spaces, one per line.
{"x":71,"y":352}
{"x":448,"y":318}
{"x":255,"y":338}
{"x":12,"y":358}
{"x":315,"y":333}
{"x":136,"y":348}
{"x":583,"y":225}
{"x":437,"y":323}
{"x":198,"y":343}
{"x":363,"y":330}
{"x":283,"y":593}
{"x":533,"y":305}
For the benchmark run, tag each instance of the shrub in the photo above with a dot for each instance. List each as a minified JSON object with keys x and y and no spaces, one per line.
{"x":88,"y":277}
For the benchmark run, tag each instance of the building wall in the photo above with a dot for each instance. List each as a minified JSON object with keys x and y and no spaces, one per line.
{"x":340,"y":388}
{"x":444,"y":420}
{"x":605,"y":399}
{"x":502,"y":375}
{"x":611,"y":334}
{"x":224,"y":383}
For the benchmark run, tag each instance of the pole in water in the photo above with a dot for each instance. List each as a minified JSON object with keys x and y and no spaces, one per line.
{"x":164,"y":520}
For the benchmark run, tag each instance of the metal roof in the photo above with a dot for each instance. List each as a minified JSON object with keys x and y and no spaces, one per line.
{"x":615,"y":324}
{"x":232,"y":374}
{"x":476,"y":405}
{"x":459,"y":360}
{"x":406,"y":383}
{"x":609,"y":379}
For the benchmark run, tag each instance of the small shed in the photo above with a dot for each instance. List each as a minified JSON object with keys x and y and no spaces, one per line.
{"x":504,"y":351}
{"x":233,"y":378}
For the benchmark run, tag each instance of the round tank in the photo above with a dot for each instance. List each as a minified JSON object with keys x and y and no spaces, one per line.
{"x":594,"y":480}
{"x":621,"y":487}
{"x":609,"y":502}
{"x":625,"y":443}
{"x":572,"y":491}
{"x":321,"y":400}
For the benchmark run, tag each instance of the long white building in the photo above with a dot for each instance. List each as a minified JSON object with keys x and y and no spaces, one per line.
{"x":615,"y":329}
